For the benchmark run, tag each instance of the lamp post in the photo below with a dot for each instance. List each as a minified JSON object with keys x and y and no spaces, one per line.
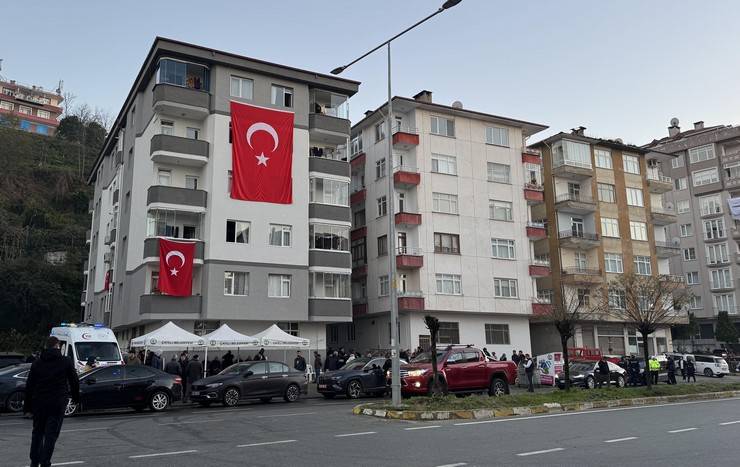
{"x":391,"y":204}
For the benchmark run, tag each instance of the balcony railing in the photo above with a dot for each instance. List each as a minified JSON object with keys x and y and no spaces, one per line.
{"x":731,"y":310}
{"x":405,"y":129}
{"x":407,"y":250}
{"x":536,"y":225}
{"x":658,"y":178}
{"x":582,"y":271}
{"x":661,"y":244}
{"x":563,"y":234}
{"x":565,"y":197}
{"x":540,"y":262}
{"x":571,"y":163}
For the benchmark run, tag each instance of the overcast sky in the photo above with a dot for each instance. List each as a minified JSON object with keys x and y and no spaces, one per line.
{"x":619,"y":68}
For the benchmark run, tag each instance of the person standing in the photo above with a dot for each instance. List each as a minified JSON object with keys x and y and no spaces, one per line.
{"x":299,"y":363}
{"x":317,"y":364}
{"x":486,"y":352}
{"x":331,"y":361}
{"x":654,"y":369}
{"x":671,"y":365}
{"x":173,"y":367}
{"x":214,"y":367}
{"x":51,"y":382}
{"x":690,"y":370}
{"x":493,"y":356}
{"x":514,"y":357}
{"x":260,"y":355}
{"x":522,"y":358}
{"x":529,"y":371}
{"x":228,"y":359}
{"x":194,"y":373}
{"x":682,"y":365}
{"x":602,"y":372}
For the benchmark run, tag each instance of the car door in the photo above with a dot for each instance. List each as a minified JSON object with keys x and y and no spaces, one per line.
{"x":256,"y":384}
{"x":103,"y":388}
{"x":374,"y":378}
{"x":475,"y":369}
{"x":454,"y":370}
{"x":278,"y":378}
{"x":136,"y":382}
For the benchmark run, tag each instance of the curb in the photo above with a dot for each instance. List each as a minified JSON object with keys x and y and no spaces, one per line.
{"x":547,"y":408}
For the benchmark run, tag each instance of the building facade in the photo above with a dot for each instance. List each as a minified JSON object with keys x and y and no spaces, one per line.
{"x":604,"y":215}
{"x":706,"y":173}
{"x":30,"y":108}
{"x":463,"y":191}
{"x":165,"y":172}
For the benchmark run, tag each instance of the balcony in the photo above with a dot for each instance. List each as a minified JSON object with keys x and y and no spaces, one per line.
{"x":328,"y":129}
{"x":575,"y":204}
{"x":359,"y":309}
{"x":541,"y":309}
{"x":672,"y":278}
{"x":732,"y":182}
{"x":165,"y":196}
{"x":536,"y":230}
{"x":111,"y":237}
{"x":408,"y":219}
{"x":405,"y":138}
{"x":155,"y":306}
{"x":358,"y":272}
{"x":358,"y":197}
{"x":406,"y":177}
{"x":658,"y":183}
{"x":88,"y":236}
{"x":573,"y":170}
{"x":326,"y":165}
{"x":180,"y":101}
{"x":409,"y":258}
{"x":534,"y":193}
{"x":358,"y":233}
{"x":410,"y":301}
{"x":540,"y":269}
{"x":731,"y":310}
{"x":358,"y":160}
{"x":666,"y":249}
{"x":662,"y":216}
{"x":578,"y":240}
{"x":151,"y":248}
{"x":531,"y":156}
{"x":576,"y":275}
{"x":168,"y":149}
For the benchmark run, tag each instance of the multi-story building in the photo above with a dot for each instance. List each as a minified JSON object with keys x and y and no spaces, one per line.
{"x":165,"y":172}
{"x":706,"y":173}
{"x":30,"y":108}
{"x":464,"y":186}
{"x":604,"y":216}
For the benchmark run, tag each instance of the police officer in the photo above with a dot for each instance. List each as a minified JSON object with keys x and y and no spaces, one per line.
{"x":654,"y":369}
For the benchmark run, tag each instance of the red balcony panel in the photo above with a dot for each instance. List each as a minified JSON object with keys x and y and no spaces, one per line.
{"x":533,"y":196}
{"x":358,"y":160}
{"x":358,"y":233}
{"x":541,"y":309}
{"x":537,"y":270}
{"x":531,"y":158}
{"x":402,"y":138}
{"x":411,"y":303}
{"x":359,"y":309}
{"x":408,"y":218}
{"x":406,"y":179}
{"x":359,"y":272}
{"x":409,"y":261}
{"x":536,"y":232}
{"x":358,"y":197}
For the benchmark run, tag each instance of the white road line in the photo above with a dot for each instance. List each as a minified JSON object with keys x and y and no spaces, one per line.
{"x":159,"y":454}
{"x":66,"y":463}
{"x":86,"y":429}
{"x":459,"y":464}
{"x":729,"y":423}
{"x":191,"y":422}
{"x":682,"y":430}
{"x":356,"y":434}
{"x":287,"y":415}
{"x":544,"y":451}
{"x":267,"y":443}
{"x":619,"y":440}
{"x":425,"y":428}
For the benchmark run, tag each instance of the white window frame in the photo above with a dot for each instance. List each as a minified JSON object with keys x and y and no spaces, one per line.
{"x":333,"y":192}
{"x":384,"y":286}
{"x":720,"y":278}
{"x":701,"y":153}
{"x":681,"y":183}
{"x":230,"y":281}
{"x":683,"y":206}
{"x":717,"y":253}
{"x":496,"y":206}
{"x":497,"y":136}
{"x":705,"y":176}
{"x":41,"y":113}
{"x":382,"y":205}
{"x":608,"y":191}
{"x":278,"y":95}
{"x":714,"y":229}
{"x":603,"y":159}
{"x":448,"y":129}
{"x":689,"y":254}
{"x":638,"y":231}
{"x":677,"y":162}
{"x":240,"y":84}
{"x":710,"y":205}
{"x":497,"y":176}
{"x":444,"y":164}
{"x":283,"y":231}
{"x":505,"y":246}
{"x":642,"y":264}
{"x":285,"y":282}
{"x":609,"y":227}
{"x":451,"y":282}
{"x":692,"y":278}
{"x":239,"y":226}
{"x":631,"y":164}
{"x":686,"y":230}
{"x":445,"y":203}
{"x":380,"y":169}
{"x":613,"y":263}
{"x":504,"y":287}
{"x":635,"y":197}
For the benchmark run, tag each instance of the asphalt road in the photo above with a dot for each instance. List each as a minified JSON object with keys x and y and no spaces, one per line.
{"x":315,"y":432}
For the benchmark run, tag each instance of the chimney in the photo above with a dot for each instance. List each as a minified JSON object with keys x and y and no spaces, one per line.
{"x":674,"y":129}
{"x":580,"y":131}
{"x":424,"y":96}
{"x":699,"y":125}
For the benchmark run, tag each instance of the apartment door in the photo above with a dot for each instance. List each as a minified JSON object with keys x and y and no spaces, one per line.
{"x":402,"y":283}
{"x":576,"y":226}
{"x":580,"y":260}
{"x":574,"y":190}
{"x":401,"y":244}
{"x":401,"y":202}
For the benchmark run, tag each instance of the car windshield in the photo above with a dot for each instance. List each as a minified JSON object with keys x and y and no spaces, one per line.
{"x":426,"y":357}
{"x":10,"y":370}
{"x":719,"y":360}
{"x":102,"y":351}
{"x":581,"y":367}
{"x":356,"y":364}
{"x":234,"y":369}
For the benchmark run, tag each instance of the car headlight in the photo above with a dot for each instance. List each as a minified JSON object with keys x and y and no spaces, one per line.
{"x":417,"y":372}
{"x":214,"y":385}
{"x":578,"y":377}
{"x":336,"y":378}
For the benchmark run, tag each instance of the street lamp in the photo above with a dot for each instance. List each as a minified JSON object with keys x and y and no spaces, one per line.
{"x":395,"y":370}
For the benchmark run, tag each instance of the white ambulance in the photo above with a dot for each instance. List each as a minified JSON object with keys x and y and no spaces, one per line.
{"x":79,"y":341}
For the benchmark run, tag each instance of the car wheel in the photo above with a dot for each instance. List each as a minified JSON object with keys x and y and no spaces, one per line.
{"x":354,"y":389}
{"x":14,"y":402}
{"x":292,"y":393}
{"x":329,"y":396}
{"x":159,"y":401}
{"x":590,"y":382}
{"x":71,"y":409}
{"x":708,"y":372}
{"x":231,"y":397}
{"x":265,"y":399}
{"x":621,"y":382}
{"x":498,"y":387}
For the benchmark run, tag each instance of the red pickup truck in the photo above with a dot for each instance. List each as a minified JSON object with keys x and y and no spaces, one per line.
{"x":463,"y":369}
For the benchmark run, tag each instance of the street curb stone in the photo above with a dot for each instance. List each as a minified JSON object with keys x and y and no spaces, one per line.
{"x":550,"y":407}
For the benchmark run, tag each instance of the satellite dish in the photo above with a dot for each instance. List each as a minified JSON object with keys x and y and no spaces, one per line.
{"x":619,"y":140}
{"x":675,"y":241}
{"x":457,"y":105}
{"x":674,"y":121}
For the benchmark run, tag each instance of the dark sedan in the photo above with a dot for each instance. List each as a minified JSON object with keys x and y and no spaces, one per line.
{"x":134,"y":386}
{"x":358,"y":377}
{"x":13,"y":386}
{"x":582,"y":374}
{"x":250,"y":380}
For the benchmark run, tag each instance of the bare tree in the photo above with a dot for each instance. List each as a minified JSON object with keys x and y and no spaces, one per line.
{"x":69,"y":99}
{"x":432,"y":323}
{"x":646,"y":303}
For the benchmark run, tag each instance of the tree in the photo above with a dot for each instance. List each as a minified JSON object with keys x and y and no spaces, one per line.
{"x":726,"y":331}
{"x":645,"y":303}
{"x":432,"y":324}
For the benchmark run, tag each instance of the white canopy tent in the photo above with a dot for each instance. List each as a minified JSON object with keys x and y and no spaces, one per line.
{"x":226,"y":338}
{"x":168,"y":337}
{"x":274,"y":338}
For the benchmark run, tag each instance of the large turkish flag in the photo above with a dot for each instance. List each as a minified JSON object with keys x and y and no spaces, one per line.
{"x":176,"y":267}
{"x":262,"y":154}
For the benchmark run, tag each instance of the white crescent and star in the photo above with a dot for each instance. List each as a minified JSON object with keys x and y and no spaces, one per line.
{"x":177,"y":254}
{"x":262,"y":126}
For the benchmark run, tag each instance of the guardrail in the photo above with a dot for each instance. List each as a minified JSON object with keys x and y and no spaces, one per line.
{"x":573,"y":234}
{"x":573,"y":197}
{"x":584,"y":271}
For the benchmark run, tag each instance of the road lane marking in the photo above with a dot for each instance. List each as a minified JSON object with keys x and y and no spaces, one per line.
{"x":287,"y":415}
{"x":356,"y":434}
{"x":266,"y":443}
{"x":86,"y":429}
{"x":619,"y":440}
{"x":191,"y":422}
{"x":544,"y":451}
{"x":159,"y":454}
{"x":459,"y":464}
{"x":425,"y":428}
{"x":729,"y":423}
{"x":682,"y":430}
{"x":66,"y":463}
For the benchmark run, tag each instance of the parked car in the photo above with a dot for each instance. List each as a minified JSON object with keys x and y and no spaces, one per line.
{"x":463,"y":369}
{"x":261,"y":380}
{"x":582,"y":375}
{"x":10,"y":359}
{"x":13,"y":386}
{"x":709,"y":365}
{"x":358,"y":377}
{"x":117,"y":386}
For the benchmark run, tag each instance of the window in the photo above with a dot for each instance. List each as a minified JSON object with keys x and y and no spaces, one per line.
{"x":356,"y":145}
{"x":689,"y":254}
{"x":282,"y":96}
{"x":634,"y":197}
{"x":43,"y":114}
{"x":631,"y":164}
{"x":504,"y":288}
{"x":705,"y":177}
{"x":166,"y":127}
{"x":449,"y":333}
{"x":695,"y":302}
{"x":328,"y":285}
{"x":384,"y":287}
{"x":236,"y":283}
{"x":502,"y":249}
{"x":681,"y":183}
{"x":609,"y":227}
{"x":164,"y":177}
{"x":692,"y":278}
{"x":242,"y":87}
{"x":443,"y":126}
{"x":449,"y":284}
{"x":642,"y":265}
{"x":444,"y":164}
{"x":191,"y":182}
{"x":710,"y":205}
{"x":382,"y":206}
{"x":177,"y":73}
{"x":22,"y":109}
{"x":717,"y":254}
{"x":617,"y":299}
{"x":379,"y":131}
{"x":732,"y":171}
{"x":383,"y":245}
{"x":714,"y":229}
{"x":584,"y":297}
{"x":497,"y":136}
{"x":500,"y":173}
{"x":725,"y":302}
{"x":446,"y":243}
{"x":603,"y":158}
{"x":192,"y":133}
{"x":6,"y":105}
{"x":328,"y":237}
{"x":683,"y":206}
{"x":677,"y":162}
{"x":279,"y":235}
{"x":721,"y":279}
{"x":606,"y":193}
{"x":328,"y":191}
{"x":278,"y":285}
{"x":613,"y":263}
{"x":380,"y":168}
{"x":571,"y":153}
{"x":686,"y":230}
{"x":444,"y":203}
{"x":701,"y":153}
{"x":638,"y":231}
{"x":237,"y":231}
{"x":497,"y":334}
{"x":500,"y":210}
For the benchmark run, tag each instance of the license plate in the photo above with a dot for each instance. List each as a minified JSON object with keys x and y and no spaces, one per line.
{"x":322,"y":386}
{"x":195,"y":393}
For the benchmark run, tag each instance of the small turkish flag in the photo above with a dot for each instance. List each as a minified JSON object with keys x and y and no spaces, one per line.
{"x":262,"y":154}
{"x":176,"y":267}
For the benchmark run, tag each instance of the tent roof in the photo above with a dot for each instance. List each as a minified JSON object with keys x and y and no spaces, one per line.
{"x":276,"y":337}
{"x":169,"y":336}
{"x":227,"y":337}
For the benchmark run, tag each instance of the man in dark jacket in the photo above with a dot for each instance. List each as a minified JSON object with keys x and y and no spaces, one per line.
{"x":299,"y":363}
{"x":671,"y":371}
{"x":515,"y":357}
{"x":194,"y":373}
{"x":317,"y":364}
{"x":602,"y":372}
{"x":173,"y":367}
{"x":528,"y":364}
{"x":228,"y":359}
{"x":260,"y":355}
{"x":331,"y":361}
{"x":51,"y":382}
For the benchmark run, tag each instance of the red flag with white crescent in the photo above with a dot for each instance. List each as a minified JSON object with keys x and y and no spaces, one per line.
{"x":176,"y":267}
{"x":262,"y":154}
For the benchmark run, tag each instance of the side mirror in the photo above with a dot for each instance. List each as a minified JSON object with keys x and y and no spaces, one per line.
{"x":248,"y":373}
{"x":91,"y":381}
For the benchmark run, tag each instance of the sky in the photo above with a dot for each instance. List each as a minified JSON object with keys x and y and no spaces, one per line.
{"x":622,"y":69}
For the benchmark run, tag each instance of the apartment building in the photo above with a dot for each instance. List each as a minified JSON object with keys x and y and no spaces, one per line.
{"x":706,"y":173}
{"x":604,"y":216}
{"x":30,"y":108}
{"x":165,"y":171}
{"x":463,"y":189}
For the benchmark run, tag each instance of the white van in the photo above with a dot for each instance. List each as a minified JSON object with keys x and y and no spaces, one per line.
{"x":83,"y":340}
{"x":709,"y":365}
